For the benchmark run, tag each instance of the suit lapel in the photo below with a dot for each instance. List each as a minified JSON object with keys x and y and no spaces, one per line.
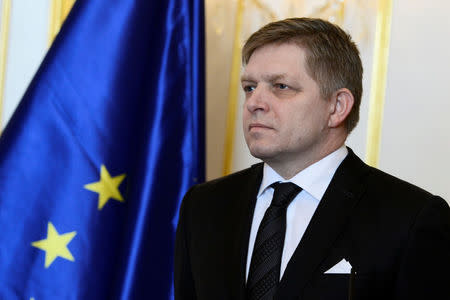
{"x":326,"y":225}
{"x":244,"y":206}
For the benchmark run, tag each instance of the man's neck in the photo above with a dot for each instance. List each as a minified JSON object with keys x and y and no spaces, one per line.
{"x":288,"y":167}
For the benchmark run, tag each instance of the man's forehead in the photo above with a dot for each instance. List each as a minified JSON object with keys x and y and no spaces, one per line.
{"x":275,"y":61}
{"x":272,"y":48}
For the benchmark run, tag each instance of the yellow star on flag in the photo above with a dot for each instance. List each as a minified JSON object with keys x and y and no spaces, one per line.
{"x":55,"y":245}
{"x":107,"y":187}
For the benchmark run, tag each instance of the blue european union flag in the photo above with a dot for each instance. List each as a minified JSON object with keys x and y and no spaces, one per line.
{"x":104,"y":144}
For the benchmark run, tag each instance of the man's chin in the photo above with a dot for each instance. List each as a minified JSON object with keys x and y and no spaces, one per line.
{"x":263,"y":154}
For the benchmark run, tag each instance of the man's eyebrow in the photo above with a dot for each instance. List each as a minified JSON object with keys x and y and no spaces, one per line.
{"x":268,"y":77}
{"x":246,"y":77}
{"x":275,"y":77}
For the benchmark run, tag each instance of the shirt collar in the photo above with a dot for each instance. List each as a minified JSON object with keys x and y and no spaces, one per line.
{"x":314,"y":179}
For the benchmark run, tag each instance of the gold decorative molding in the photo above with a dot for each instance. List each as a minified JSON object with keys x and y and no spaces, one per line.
{"x":332,"y":10}
{"x":4,"y":33}
{"x":378,"y":86}
{"x":59,"y":9}
{"x":233,"y":90}
{"x":264,"y":9}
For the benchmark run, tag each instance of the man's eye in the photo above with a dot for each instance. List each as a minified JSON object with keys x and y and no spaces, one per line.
{"x":249,"y":88}
{"x":281,"y":86}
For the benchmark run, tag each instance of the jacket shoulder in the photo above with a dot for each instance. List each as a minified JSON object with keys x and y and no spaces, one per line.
{"x":231,"y":181}
{"x":391,"y":183}
{"x":399,"y":195}
{"x":383,"y":189}
{"x":226,"y":189}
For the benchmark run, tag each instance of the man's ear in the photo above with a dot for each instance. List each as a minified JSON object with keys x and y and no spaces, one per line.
{"x":341,"y":105}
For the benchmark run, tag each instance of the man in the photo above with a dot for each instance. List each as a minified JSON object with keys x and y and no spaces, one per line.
{"x":313,"y":221}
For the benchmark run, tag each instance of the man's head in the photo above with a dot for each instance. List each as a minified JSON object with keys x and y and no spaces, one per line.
{"x":332,"y":58}
{"x":302,"y":80}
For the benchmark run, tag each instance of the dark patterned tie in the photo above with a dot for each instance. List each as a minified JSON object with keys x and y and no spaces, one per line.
{"x":264,"y":273}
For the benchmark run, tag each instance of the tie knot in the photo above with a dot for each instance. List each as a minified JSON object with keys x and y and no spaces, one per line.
{"x":284,"y":193}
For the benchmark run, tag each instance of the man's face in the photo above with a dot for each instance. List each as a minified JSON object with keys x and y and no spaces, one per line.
{"x":284,"y":115}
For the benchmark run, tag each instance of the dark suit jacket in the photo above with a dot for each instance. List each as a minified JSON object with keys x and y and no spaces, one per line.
{"x":395,"y":235}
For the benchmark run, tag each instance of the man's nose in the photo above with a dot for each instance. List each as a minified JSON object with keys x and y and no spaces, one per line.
{"x":258,"y":99}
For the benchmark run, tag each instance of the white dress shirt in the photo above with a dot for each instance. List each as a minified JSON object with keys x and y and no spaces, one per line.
{"x":314,"y":181}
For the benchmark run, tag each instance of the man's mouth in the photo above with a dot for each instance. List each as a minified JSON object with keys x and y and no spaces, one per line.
{"x":256,"y":126}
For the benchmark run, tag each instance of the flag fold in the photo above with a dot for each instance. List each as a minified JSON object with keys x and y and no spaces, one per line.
{"x":105,"y":142}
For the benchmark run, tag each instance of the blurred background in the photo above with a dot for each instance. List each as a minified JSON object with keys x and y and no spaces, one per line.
{"x":404,"y":127}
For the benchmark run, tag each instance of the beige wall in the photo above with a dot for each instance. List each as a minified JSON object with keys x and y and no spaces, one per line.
{"x":416,"y":126}
{"x":219,"y":34}
{"x":26,"y":46}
